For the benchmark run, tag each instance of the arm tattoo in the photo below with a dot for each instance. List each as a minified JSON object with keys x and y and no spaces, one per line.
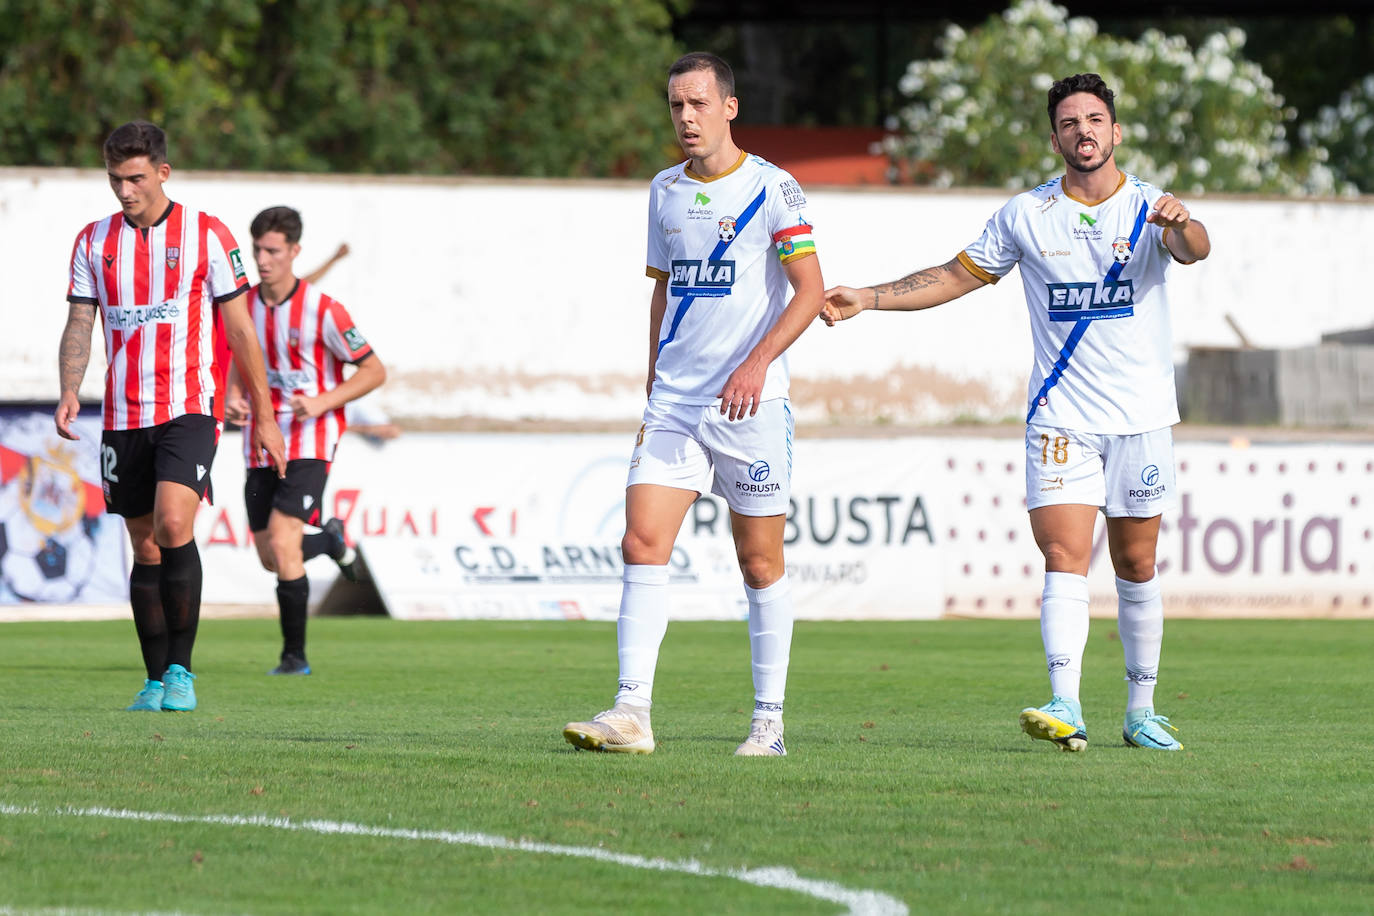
{"x":931,"y":276}
{"x":876,"y":299}
{"x":74,"y":353}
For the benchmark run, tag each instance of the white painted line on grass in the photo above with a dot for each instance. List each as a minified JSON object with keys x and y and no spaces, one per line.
{"x":858,"y":903}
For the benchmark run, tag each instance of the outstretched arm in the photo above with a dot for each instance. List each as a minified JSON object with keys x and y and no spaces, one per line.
{"x":921,"y":290}
{"x":73,"y":356}
{"x":744,"y":387}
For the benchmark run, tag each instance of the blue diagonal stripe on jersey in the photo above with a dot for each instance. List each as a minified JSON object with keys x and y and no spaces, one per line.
{"x":719,"y":250}
{"x":1080,"y":326}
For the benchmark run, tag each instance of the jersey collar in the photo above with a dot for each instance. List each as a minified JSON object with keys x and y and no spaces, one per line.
{"x":1094,"y":203}
{"x":702,"y":178}
{"x":287,"y":298}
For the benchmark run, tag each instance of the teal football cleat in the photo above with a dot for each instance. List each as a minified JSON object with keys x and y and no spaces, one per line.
{"x":1060,"y":720}
{"x":149,"y":699}
{"x":178,"y":693}
{"x":1145,"y":729}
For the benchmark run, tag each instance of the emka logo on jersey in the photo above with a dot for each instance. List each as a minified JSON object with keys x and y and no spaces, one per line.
{"x":727,"y":228}
{"x":1103,"y":299}
{"x":702,"y":278}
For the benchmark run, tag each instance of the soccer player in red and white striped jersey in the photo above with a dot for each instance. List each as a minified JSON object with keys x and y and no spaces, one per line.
{"x":155,"y":273}
{"x":306,"y":338}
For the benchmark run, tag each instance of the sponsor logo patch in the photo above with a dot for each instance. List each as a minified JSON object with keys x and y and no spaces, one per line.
{"x":236,"y":262}
{"x":702,"y":278}
{"x":792,"y":195}
{"x":1103,"y":299}
{"x":354,"y":339}
{"x":131,"y":318}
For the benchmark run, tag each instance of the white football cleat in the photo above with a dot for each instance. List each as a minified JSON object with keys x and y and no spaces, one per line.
{"x":621,"y":729}
{"x":765,"y":739}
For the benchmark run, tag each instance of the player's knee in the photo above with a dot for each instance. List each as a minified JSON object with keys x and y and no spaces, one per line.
{"x":173,"y":527}
{"x":1060,"y":556}
{"x":637,"y":548}
{"x":759,"y":570}
{"x":1135,"y":567}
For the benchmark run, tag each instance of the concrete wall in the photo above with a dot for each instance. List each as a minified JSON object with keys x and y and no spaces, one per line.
{"x":514,"y":299}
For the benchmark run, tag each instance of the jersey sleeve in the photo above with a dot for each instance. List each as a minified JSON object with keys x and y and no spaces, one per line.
{"x":996,"y":251}
{"x":341,"y":335}
{"x":81,"y":273}
{"x":788,"y":225}
{"x":227,"y":275}
{"x":656,"y":260}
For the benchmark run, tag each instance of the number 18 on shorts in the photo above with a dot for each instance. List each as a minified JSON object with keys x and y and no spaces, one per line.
{"x":1127,"y":476}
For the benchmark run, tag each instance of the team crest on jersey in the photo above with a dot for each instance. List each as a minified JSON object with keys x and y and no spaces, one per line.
{"x":173,"y":257}
{"x":727,"y":228}
{"x":1121,"y":250}
{"x":294,"y":336}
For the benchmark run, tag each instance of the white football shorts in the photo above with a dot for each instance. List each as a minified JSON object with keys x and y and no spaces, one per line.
{"x":1127,"y":476}
{"x":681,"y":445}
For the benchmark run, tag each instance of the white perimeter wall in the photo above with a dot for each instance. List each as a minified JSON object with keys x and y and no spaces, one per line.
{"x":513,"y":299}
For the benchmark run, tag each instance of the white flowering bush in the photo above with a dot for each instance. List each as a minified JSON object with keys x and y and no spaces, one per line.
{"x":1342,"y":136}
{"x":1192,"y":119}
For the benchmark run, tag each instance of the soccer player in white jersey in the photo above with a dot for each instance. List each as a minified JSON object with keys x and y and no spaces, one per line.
{"x":156,"y":273}
{"x":306,"y":339}
{"x":1094,"y":247}
{"x":727,"y":235}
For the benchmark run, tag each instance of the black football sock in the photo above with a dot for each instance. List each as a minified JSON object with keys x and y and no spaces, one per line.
{"x":181,"y":580}
{"x":293,"y":600}
{"x":145,"y":597}
{"x":314,"y":545}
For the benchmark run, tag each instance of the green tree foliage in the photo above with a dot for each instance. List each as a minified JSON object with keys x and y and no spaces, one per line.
{"x":1192,"y":119}
{"x":504,"y":87}
{"x":1343,"y":136}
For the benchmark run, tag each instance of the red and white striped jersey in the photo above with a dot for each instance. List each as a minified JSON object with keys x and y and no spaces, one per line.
{"x":306,"y":339}
{"x":156,"y":289}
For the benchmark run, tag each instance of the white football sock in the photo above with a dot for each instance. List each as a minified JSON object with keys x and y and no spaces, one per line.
{"x":1064,"y":630}
{"x":639,"y":631}
{"x":770,"y":644}
{"x":1140,"y":623}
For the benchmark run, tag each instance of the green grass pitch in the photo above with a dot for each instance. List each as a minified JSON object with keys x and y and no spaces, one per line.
{"x":404,"y":775}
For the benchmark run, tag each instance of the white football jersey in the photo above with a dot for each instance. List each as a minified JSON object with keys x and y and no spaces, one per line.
{"x":1094,"y":280}
{"x":720,"y":242}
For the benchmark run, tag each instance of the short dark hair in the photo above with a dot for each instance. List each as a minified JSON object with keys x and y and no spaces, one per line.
{"x":703,"y":60}
{"x":278,"y":219}
{"x":1090,"y":83}
{"x":137,"y":138}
